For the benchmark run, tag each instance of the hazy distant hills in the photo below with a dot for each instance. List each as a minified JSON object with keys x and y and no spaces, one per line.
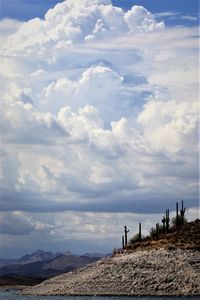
{"x":5,"y":261}
{"x":42,"y":264}
{"x":39,"y":255}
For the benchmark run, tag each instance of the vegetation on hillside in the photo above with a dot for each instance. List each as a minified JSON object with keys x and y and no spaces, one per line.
{"x":174,"y":232}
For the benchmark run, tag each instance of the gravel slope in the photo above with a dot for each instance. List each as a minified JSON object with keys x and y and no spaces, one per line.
{"x":154,"y":272}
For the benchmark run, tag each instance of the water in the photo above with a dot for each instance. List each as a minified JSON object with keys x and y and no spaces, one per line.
{"x":12,"y":295}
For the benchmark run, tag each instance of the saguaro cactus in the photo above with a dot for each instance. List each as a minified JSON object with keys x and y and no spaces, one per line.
{"x":182,"y":213}
{"x":140,"y":232}
{"x":167,"y":220}
{"x":125,"y":235}
{"x":164,"y":224}
{"x":177,"y":216}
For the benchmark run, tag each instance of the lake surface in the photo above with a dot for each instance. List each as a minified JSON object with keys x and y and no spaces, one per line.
{"x":11,"y":295}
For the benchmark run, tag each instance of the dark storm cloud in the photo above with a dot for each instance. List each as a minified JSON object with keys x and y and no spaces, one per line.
{"x":35,"y":202}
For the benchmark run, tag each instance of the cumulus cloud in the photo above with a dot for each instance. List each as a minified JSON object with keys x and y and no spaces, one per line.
{"x":96,"y":118}
{"x":22,"y":123}
{"x":8,"y":27}
{"x":171,"y":124}
{"x":71,"y":23}
{"x":100,"y":85}
{"x":140,"y":19}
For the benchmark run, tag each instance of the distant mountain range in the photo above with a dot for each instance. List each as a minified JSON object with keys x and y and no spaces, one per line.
{"x":45,"y":264}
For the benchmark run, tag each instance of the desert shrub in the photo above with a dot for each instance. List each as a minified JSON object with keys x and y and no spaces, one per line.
{"x":153,"y":231}
{"x":180,"y":221}
{"x":136,"y":238}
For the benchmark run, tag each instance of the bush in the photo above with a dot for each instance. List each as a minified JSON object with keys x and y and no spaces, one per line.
{"x":180,"y":221}
{"x":136,"y":238}
{"x":153,"y":231}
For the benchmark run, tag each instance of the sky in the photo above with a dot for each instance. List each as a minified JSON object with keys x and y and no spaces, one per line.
{"x":99,"y":120}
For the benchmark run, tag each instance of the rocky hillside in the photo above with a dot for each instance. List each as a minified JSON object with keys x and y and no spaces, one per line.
{"x":153,"y":272}
{"x":187,"y":237}
{"x":168,"y":267}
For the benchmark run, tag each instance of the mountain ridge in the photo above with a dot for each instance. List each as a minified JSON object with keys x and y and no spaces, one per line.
{"x":45,"y":264}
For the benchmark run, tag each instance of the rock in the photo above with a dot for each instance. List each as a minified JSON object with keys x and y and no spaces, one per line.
{"x":155,"y":272}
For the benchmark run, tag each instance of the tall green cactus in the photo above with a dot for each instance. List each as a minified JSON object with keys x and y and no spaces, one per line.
{"x":125,"y":235}
{"x":182,"y":213}
{"x":140,"y":232}
{"x":167,"y":220}
{"x":177,"y":216}
{"x":164,"y":224}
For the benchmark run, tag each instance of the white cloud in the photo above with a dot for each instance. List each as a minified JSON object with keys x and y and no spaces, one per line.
{"x":39,"y":73}
{"x":140,"y":19}
{"x":8,"y":27}
{"x":171,"y":124}
{"x":166,"y":14}
{"x":23,"y":123}
{"x":174,"y":15}
{"x":75,"y":22}
{"x":189,"y":18}
{"x":98,"y":86}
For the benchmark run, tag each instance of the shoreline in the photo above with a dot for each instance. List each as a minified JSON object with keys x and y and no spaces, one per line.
{"x":17,"y":291}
